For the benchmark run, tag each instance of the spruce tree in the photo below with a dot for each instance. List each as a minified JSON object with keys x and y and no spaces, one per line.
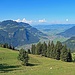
{"x":33,"y":48}
{"x":69,"y":56}
{"x":58,"y":48}
{"x":4,"y":46}
{"x":51,"y":51}
{"x":29,"y":52}
{"x":10,"y":47}
{"x":48,"y":49}
{"x":38,"y":49}
{"x":23,"y":56}
{"x":44,"y":49}
{"x":64,"y":54}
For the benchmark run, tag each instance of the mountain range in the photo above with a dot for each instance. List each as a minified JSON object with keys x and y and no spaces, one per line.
{"x":18,"y":33}
{"x":68,"y":33}
{"x":70,"y":43}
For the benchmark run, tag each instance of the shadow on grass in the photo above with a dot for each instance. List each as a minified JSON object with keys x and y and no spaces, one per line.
{"x":29,"y":64}
{"x":7,"y":68}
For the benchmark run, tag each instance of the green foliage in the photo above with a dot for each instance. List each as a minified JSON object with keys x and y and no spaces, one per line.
{"x":38,"y":48}
{"x":29,"y":52}
{"x":58,"y":48}
{"x":23,"y":56}
{"x":44,"y":49}
{"x":48,"y":49}
{"x":7,"y":46}
{"x":52,"y":50}
{"x":33,"y":49}
{"x":69,"y":58}
{"x":65,"y":54}
{"x":57,"y":51}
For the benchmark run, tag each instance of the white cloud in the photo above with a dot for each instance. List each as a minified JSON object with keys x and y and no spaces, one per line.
{"x":31,"y":21}
{"x":27,"y":21}
{"x":42,"y":21}
{"x":18,"y":20}
{"x":24,"y":20}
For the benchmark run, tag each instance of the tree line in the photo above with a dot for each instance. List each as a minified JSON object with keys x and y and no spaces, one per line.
{"x":56,"y":51}
{"x":50,"y":50}
{"x":7,"y":46}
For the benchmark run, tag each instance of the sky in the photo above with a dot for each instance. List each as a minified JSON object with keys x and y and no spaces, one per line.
{"x":38,"y":11}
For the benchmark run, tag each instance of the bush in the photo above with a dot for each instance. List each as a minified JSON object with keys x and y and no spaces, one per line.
{"x":23,"y":56}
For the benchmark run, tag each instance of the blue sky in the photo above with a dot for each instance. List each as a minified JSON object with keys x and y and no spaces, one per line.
{"x":38,"y":11}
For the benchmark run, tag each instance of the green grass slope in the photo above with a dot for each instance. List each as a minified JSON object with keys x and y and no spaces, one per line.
{"x":9,"y":65}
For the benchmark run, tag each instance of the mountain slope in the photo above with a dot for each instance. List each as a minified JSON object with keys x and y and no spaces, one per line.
{"x":70,"y":43}
{"x":18,"y":34}
{"x":69,"y":32}
{"x":10,"y":65}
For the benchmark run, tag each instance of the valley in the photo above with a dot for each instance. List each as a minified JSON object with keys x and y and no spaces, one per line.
{"x":26,"y":35}
{"x":37,"y":37}
{"x":52,"y":32}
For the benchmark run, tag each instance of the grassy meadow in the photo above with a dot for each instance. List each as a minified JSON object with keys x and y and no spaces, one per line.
{"x":9,"y":65}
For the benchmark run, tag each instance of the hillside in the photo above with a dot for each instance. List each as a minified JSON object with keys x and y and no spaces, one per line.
{"x":56,"y":28}
{"x":70,"y":43}
{"x":9,"y":65}
{"x":18,"y":33}
{"x":69,"y":32}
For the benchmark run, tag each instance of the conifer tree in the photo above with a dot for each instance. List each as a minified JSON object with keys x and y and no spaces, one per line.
{"x":29,"y":52}
{"x":51,"y":51}
{"x":69,"y":56}
{"x":44,"y":49}
{"x":58,"y":48}
{"x":33,"y":48}
{"x":48,"y":49}
{"x":64,"y":54}
{"x":10,"y":47}
{"x":4,"y":46}
{"x":38,"y":48}
{"x":23,"y":56}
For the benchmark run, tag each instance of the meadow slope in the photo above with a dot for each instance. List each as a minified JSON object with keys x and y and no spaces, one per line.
{"x":9,"y":65}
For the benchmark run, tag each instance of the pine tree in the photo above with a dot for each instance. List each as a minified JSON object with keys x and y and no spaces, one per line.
{"x":10,"y":47}
{"x":4,"y":46}
{"x":29,"y":51}
{"x":51,"y":51}
{"x":58,"y":48}
{"x":48,"y":49}
{"x":69,"y":56}
{"x":38,"y":48}
{"x":44,"y":49}
{"x":23,"y":56}
{"x":64,"y":54}
{"x":33,"y":48}
{"x":13,"y":48}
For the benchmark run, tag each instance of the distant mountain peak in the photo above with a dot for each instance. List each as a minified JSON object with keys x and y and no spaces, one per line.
{"x":68,"y":33}
{"x":18,"y":33}
{"x":6,"y":22}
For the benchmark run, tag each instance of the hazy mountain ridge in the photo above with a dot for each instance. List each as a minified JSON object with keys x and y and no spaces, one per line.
{"x":70,"y":43}
{"x":18,"y":34}
{"x":54,"y":26}
{"x":68,"y":33}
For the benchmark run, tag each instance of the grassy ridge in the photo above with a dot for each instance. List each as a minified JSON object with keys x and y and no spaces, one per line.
{"x":9,"y":65}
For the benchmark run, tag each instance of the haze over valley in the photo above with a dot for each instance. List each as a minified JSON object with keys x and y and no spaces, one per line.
{"x":37,"y":37}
